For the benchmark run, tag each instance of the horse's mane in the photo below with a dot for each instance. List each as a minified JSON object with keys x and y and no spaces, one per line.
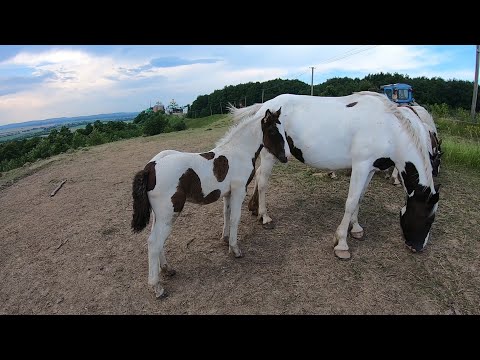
{"x":241,"y":113}
{"x":241,"y":118}
{"x":416,"y":135}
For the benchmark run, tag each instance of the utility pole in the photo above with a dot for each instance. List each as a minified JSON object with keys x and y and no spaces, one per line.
{"x":263,"y":92}
{"x":311,"y":92}
{"x":475,"y":85}
{"x":245,"y":103}
{"x":211,"y":110}
{"x":221,"y":110}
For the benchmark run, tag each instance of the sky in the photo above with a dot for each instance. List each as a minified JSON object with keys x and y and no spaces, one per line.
{"x":40,"y":82}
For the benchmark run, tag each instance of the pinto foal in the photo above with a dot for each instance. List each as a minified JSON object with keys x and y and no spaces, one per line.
{"x":172,"y":178}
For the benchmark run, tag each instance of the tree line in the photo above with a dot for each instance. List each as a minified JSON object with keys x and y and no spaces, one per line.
{"x":16,"y":153}
{"x":454,"y":93}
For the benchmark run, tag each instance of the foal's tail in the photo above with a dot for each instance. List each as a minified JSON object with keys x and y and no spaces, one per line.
{"x":141,"y":205}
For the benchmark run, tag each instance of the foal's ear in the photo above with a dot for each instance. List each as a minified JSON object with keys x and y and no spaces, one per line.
{"x":267,"y":115}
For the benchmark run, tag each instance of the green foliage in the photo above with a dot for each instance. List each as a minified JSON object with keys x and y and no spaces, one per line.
{"x":457,"y":150}
{"x":456,"y":94}
{"x":155,"y":124}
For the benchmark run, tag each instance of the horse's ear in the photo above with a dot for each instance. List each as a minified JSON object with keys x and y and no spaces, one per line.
{"x":437,"y":187}
{"x":267,"y":114}
{"x":439,"y":141}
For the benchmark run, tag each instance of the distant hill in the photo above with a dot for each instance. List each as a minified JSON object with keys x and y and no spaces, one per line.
{"x":70,"y":120}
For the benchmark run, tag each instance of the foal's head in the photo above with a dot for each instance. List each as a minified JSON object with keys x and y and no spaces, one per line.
{"x":274,"y":135}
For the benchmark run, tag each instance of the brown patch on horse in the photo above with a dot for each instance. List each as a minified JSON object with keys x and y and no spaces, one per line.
{"x":352,"y":104}
{"x":254,"y":159}
{"x":151,"y":177}
{"x":253,"y":203}
{"x":296,"y":152}
{"x":220,"y":168}
{"x":209,"y":155}
{"x":411,"y":108}
{"x":190,"y":188}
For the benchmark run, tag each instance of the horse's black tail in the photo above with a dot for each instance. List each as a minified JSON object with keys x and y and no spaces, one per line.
{"x":141,"y":205}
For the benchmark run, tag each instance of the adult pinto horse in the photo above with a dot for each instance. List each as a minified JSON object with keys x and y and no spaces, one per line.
{"x":171,"y":178}
{"x":366,"y":132}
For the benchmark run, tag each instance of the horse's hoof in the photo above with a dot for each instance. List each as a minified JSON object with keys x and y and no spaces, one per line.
{"x":236,"y":251}
{"x":342,"y":254}
{"x":357,"y":235}
{"x":170,"y":272}
{"x":254,"y":212}
{"x":226,"y":239}
{"x":162,"y":296}
{"x":270,"y":225}
{"x":160,"y":292}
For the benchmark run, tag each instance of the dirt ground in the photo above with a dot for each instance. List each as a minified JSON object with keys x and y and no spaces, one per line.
{"x":74,"y":253}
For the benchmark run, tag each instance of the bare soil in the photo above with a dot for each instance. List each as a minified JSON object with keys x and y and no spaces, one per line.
{"x":74,"y":253}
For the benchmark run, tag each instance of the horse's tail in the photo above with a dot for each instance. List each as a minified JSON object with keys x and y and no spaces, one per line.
{"x":141,"y":204}
{"x":242,"y":113}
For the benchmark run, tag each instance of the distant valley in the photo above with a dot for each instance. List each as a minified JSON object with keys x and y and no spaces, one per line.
{"x":42,"y":127}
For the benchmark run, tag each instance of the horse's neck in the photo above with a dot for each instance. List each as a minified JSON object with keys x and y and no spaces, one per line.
{"x":411,"y":154}
{"x":245,"y":139}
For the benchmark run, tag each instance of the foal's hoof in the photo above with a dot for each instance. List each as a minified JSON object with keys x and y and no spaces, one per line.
{"x":270,"y":225}
{"x":357,"y":235}
{"x":342,"y":254}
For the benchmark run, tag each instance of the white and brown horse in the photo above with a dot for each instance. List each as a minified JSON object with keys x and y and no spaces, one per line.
{"x":364,"y":132}
{"x":172,"y":178}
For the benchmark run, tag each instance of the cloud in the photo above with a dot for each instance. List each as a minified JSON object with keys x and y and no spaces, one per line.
{"x":171,"y":61}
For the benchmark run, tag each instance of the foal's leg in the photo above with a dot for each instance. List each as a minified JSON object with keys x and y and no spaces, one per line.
{"x":236,"y":199}
{"x":357,"y":230}
{"x":359,"y":176}
{"x":156,"y":257}
{"x":396,"y":181}
{"x":226,"y":218}
{"x":266,"y":166}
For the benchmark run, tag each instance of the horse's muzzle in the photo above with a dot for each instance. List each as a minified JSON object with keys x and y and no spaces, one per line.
{"x":283,"y":158}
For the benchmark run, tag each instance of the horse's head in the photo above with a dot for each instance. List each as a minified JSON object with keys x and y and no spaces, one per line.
{"x":417,"y":216}
{"x":274,"y":135}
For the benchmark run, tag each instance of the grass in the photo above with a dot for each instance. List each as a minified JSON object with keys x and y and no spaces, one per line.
{"x":461,"y":151}
{"x":449,"y":126}
{"x":460,"y":142}
{"x":204,"y":122}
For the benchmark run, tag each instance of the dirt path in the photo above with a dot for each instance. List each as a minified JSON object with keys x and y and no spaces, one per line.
{"x":74,"y":253}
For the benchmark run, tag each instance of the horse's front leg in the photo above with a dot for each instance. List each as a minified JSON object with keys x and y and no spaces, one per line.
{"x":266,"y":166}
{"x":226,"y":218}
{"x":396,"y":181}
{"x":237,"y":196}
{"x":360,"y":173}
{"x":357,"y":230}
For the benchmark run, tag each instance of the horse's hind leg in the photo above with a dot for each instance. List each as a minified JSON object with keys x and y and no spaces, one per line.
{"x":358,"y":179}
{"x":156,"y":257}
{"x":357,"y":230}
